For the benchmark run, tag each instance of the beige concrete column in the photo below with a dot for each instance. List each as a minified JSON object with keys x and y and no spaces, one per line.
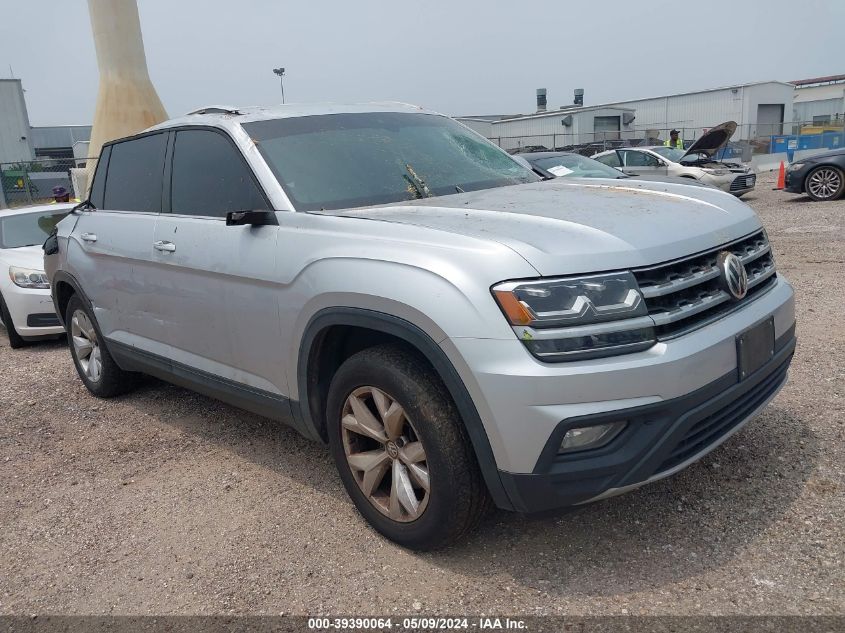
{"x":127,"y":102}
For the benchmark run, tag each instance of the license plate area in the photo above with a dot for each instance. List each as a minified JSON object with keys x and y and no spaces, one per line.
{"x":755,"y":347}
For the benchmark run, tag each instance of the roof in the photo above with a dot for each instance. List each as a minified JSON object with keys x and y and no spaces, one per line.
{"x":563,"y":112}
{"x":818,"y":80}
{"x":539,"y":155}
{"x":227,"y":115}
{"x":487,"y":118}
{"x":695,"y":92}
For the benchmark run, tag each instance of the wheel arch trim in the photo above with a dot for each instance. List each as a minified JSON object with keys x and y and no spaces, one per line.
{"x":433,"y":353}
{"x":62,"y":276}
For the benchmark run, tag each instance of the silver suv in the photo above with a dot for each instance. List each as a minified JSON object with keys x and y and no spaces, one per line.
{"x":460,"y":332}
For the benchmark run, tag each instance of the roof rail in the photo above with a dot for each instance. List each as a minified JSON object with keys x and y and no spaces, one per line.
{"x":215,"y":110}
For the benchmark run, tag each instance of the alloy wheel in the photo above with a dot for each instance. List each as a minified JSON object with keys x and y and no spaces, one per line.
{"x":86,"y":346}
{"x":385,"y":454}
{"x":824,"y":182}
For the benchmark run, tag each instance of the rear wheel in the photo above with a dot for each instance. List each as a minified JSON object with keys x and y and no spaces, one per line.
{"x":825,"y":183}
{"x":94,"y":364}
{"x":16,"y":341}
{"x":401,"y":449}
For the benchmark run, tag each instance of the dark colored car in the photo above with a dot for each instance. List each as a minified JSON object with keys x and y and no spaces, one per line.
{"x":571,"y":165}
{"x":821,"y":177}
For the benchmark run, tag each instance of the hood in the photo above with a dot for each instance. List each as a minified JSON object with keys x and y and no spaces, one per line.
{"x":825,"y":156}
{"x":713,"y":140}
{"x":580,"y":225}
{"x":24,"y":257}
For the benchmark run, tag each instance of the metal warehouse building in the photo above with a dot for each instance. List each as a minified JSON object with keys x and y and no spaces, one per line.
{"x":15,"y":142}
{"x":820,"y":101}
{"x":760,"y":108}
{"x":559,"y":128}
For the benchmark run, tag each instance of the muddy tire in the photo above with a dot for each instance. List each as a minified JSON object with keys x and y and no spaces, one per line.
{"x":402,"y":451}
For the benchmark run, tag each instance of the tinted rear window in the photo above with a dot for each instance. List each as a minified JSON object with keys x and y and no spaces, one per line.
{"x":210,"y":177}
{"x":135,"y":174}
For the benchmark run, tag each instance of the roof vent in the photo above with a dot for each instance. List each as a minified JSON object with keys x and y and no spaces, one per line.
{"x":579,"y":97}
{"x":541,"y":99}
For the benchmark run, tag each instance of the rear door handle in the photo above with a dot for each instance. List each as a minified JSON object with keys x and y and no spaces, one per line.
{"x":89,"y":237}
{"x":165,"y":247}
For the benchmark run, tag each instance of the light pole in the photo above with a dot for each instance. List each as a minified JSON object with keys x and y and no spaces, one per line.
{"x":281,"y":73}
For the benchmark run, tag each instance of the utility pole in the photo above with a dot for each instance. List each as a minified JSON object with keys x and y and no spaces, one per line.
{"x":281,"y":73}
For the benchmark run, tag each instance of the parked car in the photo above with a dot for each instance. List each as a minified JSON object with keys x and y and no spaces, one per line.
{"x":696,"y":163}
{"x":459,"y":331}
{"x":822,"y":177}
{"x":572,"y":165}
{"x":26,"y":309}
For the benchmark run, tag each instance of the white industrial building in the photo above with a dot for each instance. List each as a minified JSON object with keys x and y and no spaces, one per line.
{"x":820,"y":100}
{"x":573,"y":125}
{"x":761,"y":109}
{"x":15,"y":139}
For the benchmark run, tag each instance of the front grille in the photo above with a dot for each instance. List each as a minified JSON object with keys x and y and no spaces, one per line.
{"x":743,"y":182}
{"x":713,"y":427}
{"x":686,"y":294}
{"x":42,"y":320}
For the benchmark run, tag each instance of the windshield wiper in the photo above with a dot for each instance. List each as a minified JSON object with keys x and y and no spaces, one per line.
{"x":416,"y":183}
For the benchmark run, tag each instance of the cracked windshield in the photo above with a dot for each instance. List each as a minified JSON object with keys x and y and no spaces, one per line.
{"x":355,"y":160}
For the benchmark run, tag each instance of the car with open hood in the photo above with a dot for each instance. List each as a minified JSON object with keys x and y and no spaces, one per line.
{"x":459,"y":331}
{"x":697,"y":163}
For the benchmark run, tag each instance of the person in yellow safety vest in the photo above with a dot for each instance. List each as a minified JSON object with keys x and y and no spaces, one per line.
{"x":60,"y":194}
{"x":674,"y":140}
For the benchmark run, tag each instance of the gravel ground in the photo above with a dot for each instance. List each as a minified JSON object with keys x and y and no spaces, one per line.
{"x":166,"y":502}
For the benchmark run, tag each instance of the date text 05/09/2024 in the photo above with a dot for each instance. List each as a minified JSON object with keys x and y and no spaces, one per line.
{"x":416,"y":624}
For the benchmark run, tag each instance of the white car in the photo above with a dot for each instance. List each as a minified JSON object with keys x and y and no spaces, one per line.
{"x":26,"y":308}
{"x":696,"y":163}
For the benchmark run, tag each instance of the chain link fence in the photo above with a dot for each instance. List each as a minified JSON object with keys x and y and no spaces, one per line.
{"x":747,"y":141}
{"x":32,"y":182}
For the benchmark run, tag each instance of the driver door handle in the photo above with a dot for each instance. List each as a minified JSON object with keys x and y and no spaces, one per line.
{"x":89,"y":237}
{"x":165,"y":247}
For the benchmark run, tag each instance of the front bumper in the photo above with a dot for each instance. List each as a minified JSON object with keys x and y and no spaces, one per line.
{"x":736,"y":184}
{"x":527,"y":405}
{"x":660,"y":440}
{"x":794,"y":181}
{"x":32,"y":311}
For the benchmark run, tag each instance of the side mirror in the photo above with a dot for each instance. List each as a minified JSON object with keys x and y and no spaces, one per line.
{"x":251,"y":218}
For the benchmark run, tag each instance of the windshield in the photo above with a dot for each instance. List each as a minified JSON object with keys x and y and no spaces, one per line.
{"x":575,"y":165}
{"x":338,"y":161}
{"x":671,"y":153}
{"x":29,"y":229}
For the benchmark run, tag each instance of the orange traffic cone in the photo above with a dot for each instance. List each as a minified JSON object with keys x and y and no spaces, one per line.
{"x":781,"y":178}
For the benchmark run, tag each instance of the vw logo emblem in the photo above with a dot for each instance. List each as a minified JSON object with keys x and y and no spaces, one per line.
{"x":734,"y":277}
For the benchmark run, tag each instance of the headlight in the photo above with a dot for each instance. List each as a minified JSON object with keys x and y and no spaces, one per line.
{"x":579,"y":317}
{"x":795,"y":166}
{"x":718,"y":172}
{"x":27,"y":278}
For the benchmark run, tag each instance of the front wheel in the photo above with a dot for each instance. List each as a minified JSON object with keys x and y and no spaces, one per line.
{"x":825,"y":183}
{"x":401,"y":449}
{"x":16,"y":341}
{"x":94,"y":364}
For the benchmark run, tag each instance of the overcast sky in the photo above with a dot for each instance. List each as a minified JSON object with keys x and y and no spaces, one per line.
{"x":456,"y":56}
